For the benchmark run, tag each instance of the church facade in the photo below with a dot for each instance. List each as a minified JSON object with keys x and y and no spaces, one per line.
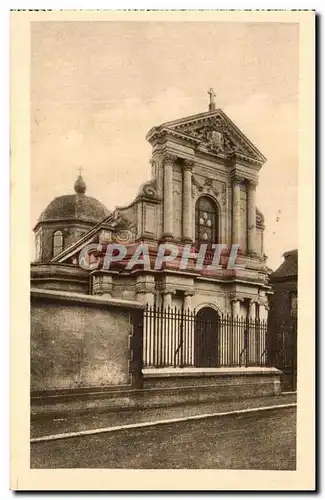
{"x":204,"y":176}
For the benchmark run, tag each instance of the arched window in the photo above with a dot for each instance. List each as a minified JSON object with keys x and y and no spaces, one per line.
{"x":57,"y":243}
{"x":206,"y":221}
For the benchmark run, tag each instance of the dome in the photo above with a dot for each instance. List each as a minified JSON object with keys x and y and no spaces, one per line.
{"x":77,"y":206}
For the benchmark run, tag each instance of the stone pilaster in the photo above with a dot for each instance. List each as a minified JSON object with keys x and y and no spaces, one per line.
{"x":188,"y":294}
{"x":145,"y":289}
{"x":167,"y":299}
{"x":253,"y":332}
{"x":236,"y":236}
{"x":168,"y":195}
{"x":102,"y":284}
{"x":251,"y":217}
{"x":251,"y":310}
{"x":187,"y":201}
{"x":235,"y":308}
{"x":264,"y":310}
{"x":232,"y":340}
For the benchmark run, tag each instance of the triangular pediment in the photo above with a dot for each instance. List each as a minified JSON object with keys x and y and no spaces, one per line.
{"x":217,"y":133}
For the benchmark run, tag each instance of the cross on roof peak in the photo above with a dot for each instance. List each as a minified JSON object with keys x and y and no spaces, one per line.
{"x":212,"y":103}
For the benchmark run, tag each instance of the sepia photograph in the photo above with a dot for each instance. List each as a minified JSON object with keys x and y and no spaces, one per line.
{"x":163,"y":215}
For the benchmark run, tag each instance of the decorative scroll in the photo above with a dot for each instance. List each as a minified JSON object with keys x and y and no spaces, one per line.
{"x":125,"y":231}
{"x":148,"y":190}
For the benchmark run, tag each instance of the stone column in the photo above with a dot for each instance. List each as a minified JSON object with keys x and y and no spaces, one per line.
{"x":236,"y":236}
{"x":165,"y":335}
{"x":150,"y":299}
{"x":261,"y":354}
{"x":140,"y":297}
{"x":252,"y":310}
{"x":102,"y":284}
{"x":233,"y":333}
{"x":187,"y":201}
{"x":264,"y":311}
{"x":251,"y":217}
{"x":168,"y":195}
{"x":187,"y":301}
{"x":188,"y":330}
{"x":235,"y":308}
{"x":145,"y":294}
{"x":145,"y":289}
{"x":167,"y":299}
{"x":253,"y":333}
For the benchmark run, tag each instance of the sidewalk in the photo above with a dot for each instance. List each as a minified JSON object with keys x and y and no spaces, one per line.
{"x":133,"y":416}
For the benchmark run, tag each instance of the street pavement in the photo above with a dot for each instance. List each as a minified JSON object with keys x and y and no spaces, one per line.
{"x":264,"y":440}
{"x":95,"y":419}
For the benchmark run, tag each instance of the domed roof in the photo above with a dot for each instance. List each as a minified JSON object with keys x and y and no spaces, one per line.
{"x":75,"y":206}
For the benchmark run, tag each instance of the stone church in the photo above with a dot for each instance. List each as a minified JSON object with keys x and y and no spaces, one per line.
{"x":204,"y":176}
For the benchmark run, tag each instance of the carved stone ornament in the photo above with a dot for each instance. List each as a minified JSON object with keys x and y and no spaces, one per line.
{"x":102,"y":285}
{"x":169,"y":159}
{"x":196,"y":184}
{"x":145,"y":288}
{"x":188,"y":165}
{"x":164,"y":289}
{"x":259,"y":217}
{"x":168,"y":291}
{"x":148,"y":190}
{"x":105,"y":237}
{"x":125,"y":230}
{"x":210,"y":186}
{"x":238,"y":296}
{"x":124,"y":236}
{"x":215,"y":134}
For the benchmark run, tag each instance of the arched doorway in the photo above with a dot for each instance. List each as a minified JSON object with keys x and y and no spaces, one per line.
{"x":206,"y":352}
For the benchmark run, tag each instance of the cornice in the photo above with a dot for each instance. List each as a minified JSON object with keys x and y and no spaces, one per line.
{"x":161,"y":132}
{"x":164,"y":132}
{"x":240,"y":157}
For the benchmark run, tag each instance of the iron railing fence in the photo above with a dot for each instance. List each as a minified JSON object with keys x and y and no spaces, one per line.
{"x":176,"y":337}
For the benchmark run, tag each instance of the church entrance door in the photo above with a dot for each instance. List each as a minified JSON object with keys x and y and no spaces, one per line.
{"x":206,"y":338}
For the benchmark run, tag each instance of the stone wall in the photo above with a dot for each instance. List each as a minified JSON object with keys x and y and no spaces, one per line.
{"x":65,"y":277}
{"x":80,"y":341}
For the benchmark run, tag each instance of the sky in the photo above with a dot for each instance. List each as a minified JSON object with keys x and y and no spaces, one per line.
{"x":98,"y":87}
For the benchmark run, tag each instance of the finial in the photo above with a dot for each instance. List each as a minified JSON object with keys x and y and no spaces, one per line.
{"x":212,"y":104}
{"x":80,"y":185}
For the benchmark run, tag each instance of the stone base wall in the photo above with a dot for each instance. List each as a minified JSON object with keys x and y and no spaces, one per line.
{"x":266,"y":381}
{"x":169,"y":392}
{"x":80,"y":341}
